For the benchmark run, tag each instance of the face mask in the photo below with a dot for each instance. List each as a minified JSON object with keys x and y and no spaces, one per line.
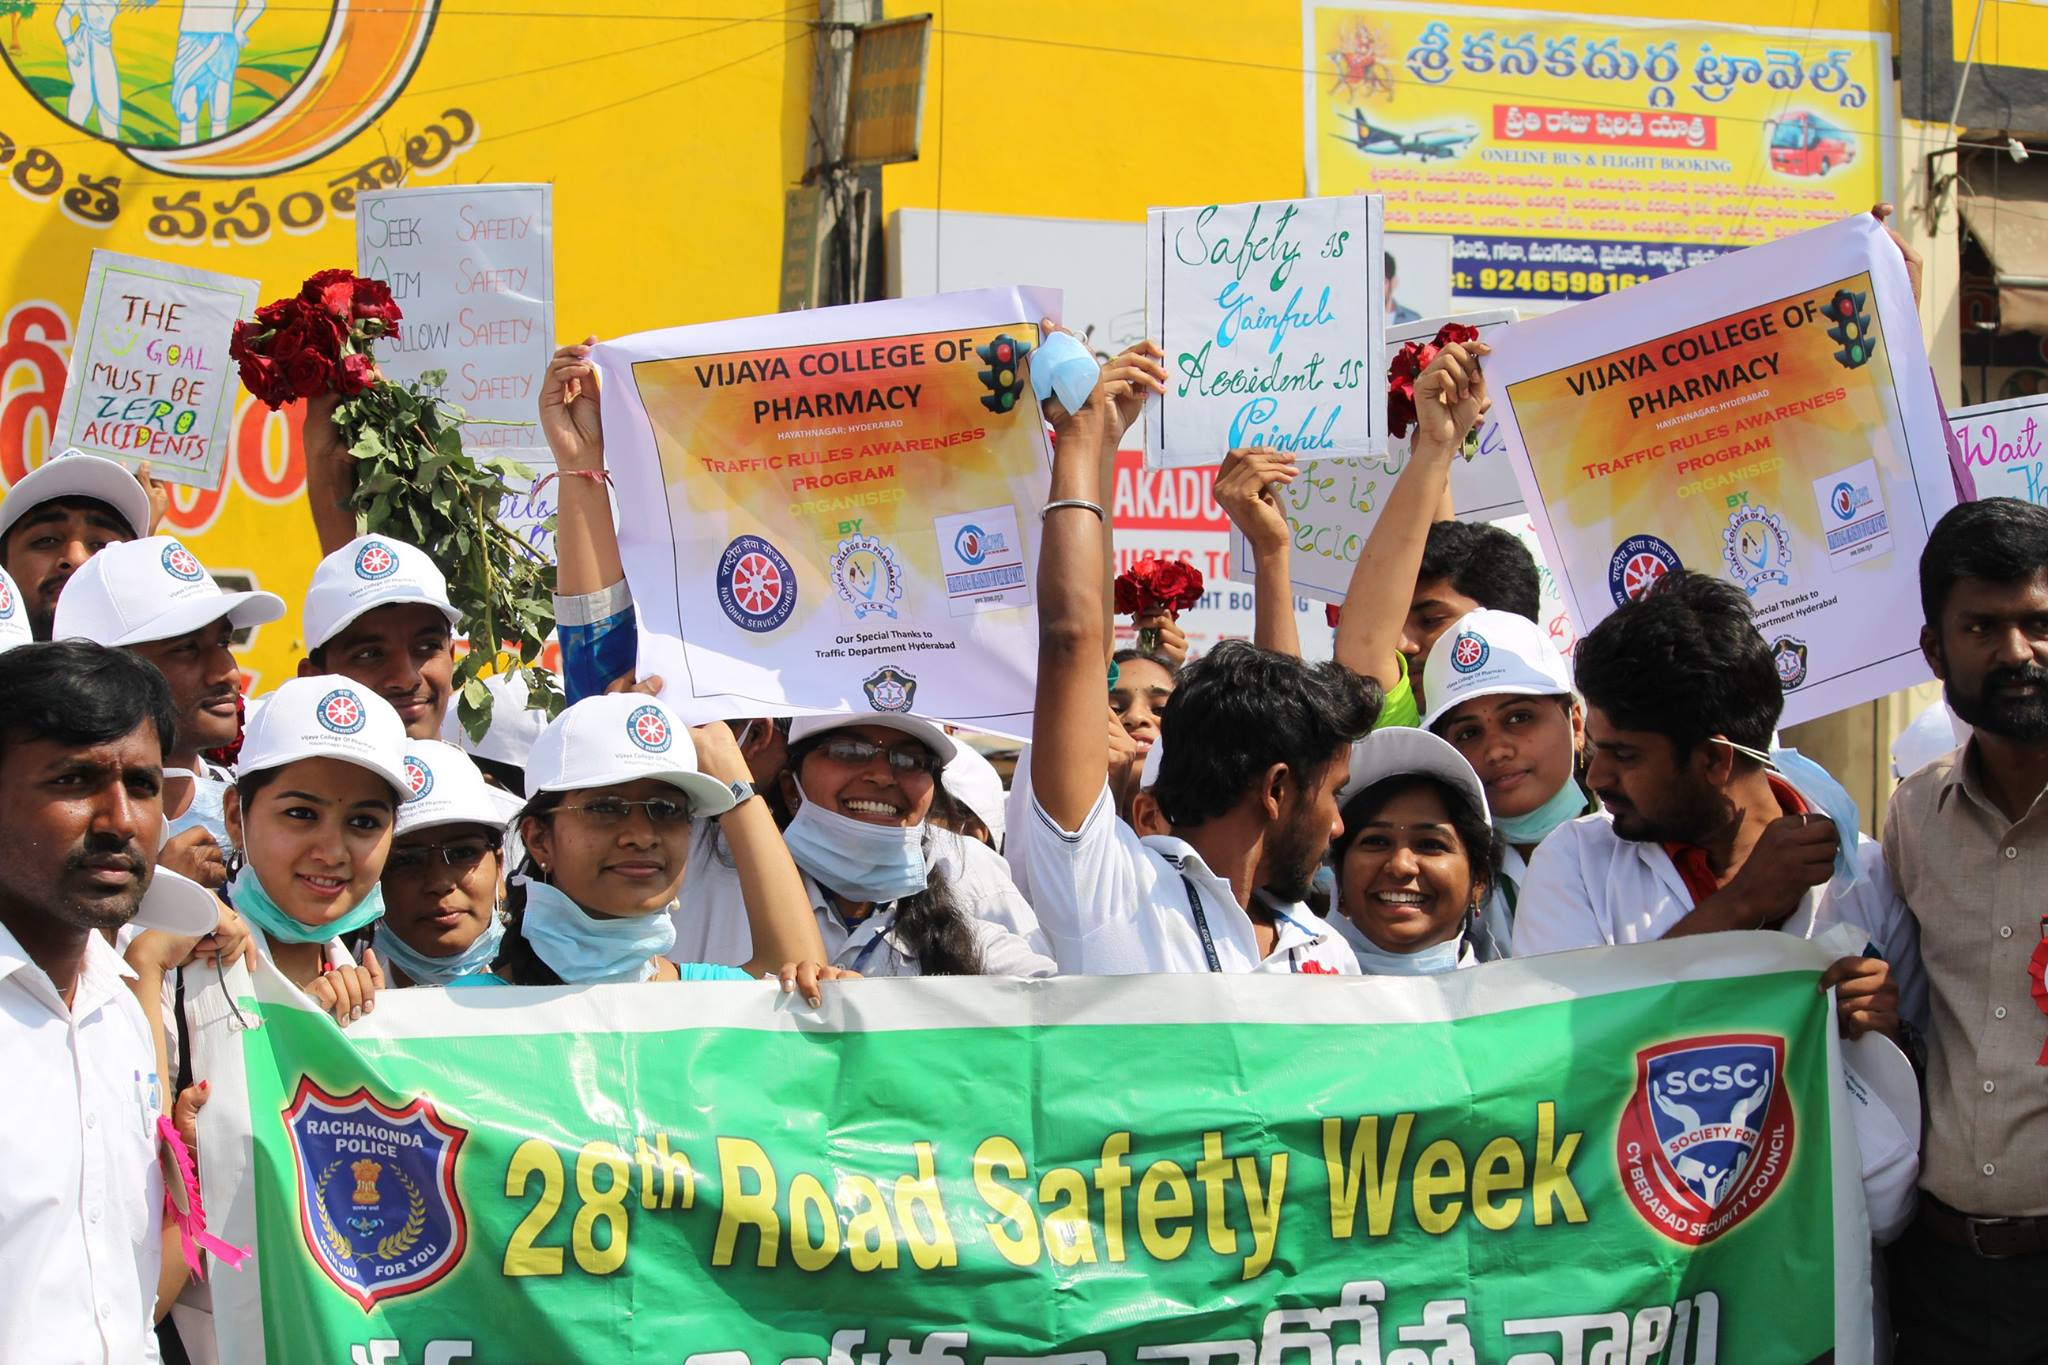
{"x":439,"y":971}
{"x":1374,"y":960}
{"x":877,"y":863}
{"x":1819,"y":788}
{"x":1568,"y":803}
{"x":208,"y":810}
{"x":253,"y":903}
{"x":585,"y":949}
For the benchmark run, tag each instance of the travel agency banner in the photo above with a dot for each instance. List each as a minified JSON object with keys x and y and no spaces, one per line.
{"x":1572,"y":155}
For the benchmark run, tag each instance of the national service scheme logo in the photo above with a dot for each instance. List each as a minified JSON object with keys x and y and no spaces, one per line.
{"x":341,"y":711}
{"x":756,"y":588}
{"x":867,"y":577}
{"x":890,"y":689}
{"x":1469,"y":652}
{"x":419,"y":779}
{"x":181,"y":563}
{"x":649,"y":729}
{"x":1757,"y":547}
{"x":377,"y":1200}
{"x":1707,"y":1136}
{"x":376,"y":560}
{"x":1789,"y":656}
{"x":1636,"y":565}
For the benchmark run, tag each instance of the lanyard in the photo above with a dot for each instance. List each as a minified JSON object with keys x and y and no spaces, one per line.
{"x":1202,"y":923}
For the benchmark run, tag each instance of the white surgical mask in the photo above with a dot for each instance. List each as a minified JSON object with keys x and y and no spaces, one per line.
{"x":1819,"y":788}
{"x":877,"y":863}
{"x":585,"y":948}
{"x":422,"y":970}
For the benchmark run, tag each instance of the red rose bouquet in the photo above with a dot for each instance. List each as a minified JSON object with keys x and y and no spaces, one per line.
{"x":1154,"y":584}
{"x":1407,"y":366}
{"x":414,"y":481}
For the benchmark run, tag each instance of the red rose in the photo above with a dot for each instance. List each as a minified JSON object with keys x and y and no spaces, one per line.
{"x":1407,"y":366}
{"x":1176,"y":586}
{"x":354,"y":374}
{"x":1331,"y":611}
{"x":373,"y":303}
{"x":308,"y":373}
{"x":1133,"y":587}
{"x":332,"y":291}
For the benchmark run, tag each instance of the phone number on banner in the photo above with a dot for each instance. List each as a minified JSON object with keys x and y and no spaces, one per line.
{"x":1549,"y":268}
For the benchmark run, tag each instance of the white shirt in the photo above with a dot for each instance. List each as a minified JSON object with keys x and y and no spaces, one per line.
{"x":710,"y":914}
{"x":1587,"y":886}
{"x":1114,"y":904}
{"x":82,"y":1197}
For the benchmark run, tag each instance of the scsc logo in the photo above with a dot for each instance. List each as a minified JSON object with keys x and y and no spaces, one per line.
{"x":1707,"y":1136}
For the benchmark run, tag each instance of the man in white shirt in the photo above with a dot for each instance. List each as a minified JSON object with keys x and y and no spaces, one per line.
{"x":1700,"y":829}
{"x":1256,"y":746}
{"x":81,"y":1209}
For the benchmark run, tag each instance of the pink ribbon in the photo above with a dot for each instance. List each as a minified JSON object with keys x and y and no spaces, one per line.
{"x":190,"y":1220}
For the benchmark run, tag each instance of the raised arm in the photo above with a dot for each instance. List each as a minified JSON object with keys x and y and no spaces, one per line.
{"x":586,"y":542}
{"x":779,"y":913}
{"x":330,"y":475}
{"x":1244,"y":490}
{"x":1450,"y":398}
{"x":1139,"y":371}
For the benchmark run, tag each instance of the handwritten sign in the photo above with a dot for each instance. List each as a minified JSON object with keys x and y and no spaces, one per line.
{"x":2001,"y":446}
{"x":1272,"y":316}
{"x":473,"y":268}
{"x":1333,"y":506}
{"x":1767,"y":419}
{"x":151,"y":379}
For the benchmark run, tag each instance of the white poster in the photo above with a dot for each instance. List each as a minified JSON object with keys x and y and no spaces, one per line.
{"x":2002,"y":448}
{"x":836,"y":510}
{"x":1272,"y":316}
{"x":472,"y":266}
{"x":150,"y":379}
{"x":1768,"y":418}
{"x":1334,"y":505}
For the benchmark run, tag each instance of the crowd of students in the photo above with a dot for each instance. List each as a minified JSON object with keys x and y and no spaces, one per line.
{"x":1395,"y":810}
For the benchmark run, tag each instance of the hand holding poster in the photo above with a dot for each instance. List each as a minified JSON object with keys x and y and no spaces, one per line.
{"x":1334,"y":505}
{"x":1769,"y":417}
{"x":837,"y":510}
{"x":150,"y":379}
{"x":1525,"y":1161}
{"x":1268,"y":314}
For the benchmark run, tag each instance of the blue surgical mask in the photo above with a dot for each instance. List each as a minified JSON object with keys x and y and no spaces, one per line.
{"x":1567,"y":803}
{"x":584,"y":948}
{"x":422,"y":970}
{"x":208,"y":810}
{"x":1818,"y":787}
{"x":254,"y":904}
{"x":1435,"y":960}
{"x":877,"y":863}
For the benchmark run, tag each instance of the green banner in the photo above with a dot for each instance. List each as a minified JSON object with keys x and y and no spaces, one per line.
{"x":1627,"y":1155}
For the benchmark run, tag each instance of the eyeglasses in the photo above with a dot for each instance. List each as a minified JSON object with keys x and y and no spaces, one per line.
{"x":861,"y":752}
{"x":462,"y":853}
{"x":611,"y":811}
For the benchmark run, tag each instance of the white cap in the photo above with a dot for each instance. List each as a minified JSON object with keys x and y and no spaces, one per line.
{"x":1934,"y":733}
{"x":514,"y":725}
{"x":1491,"y":654}
{"x":1884,"y":1101}
{"x":621,"y":737}
{"x":74,"y":474}
{"x":153,"y":589}
{"x":14,"y":626}
{"x":1399,"y":750}
{"x":325,"y":716}
{"x":177,"y":905}
{"x":930,"y":735}
{"x":973,"y":781}
{"x":443,"y":786}
{"x":367,"y":573}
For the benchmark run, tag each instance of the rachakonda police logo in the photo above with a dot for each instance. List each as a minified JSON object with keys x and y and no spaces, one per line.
{"x":377,"y":1200}
{"x":419,"y":779}
{"x":1707,"y":1137}
{"x":649,"y":729}
{"x":341,"y":711}
{"x":1469,"y":652}
{"x":756,"y":588}
{"x":376,"y":560}
{"x":180,"y":563}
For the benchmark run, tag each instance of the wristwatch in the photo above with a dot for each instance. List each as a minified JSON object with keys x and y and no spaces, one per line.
{"x":742,"y":792}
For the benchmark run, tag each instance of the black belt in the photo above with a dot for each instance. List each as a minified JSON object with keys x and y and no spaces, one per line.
{"x":1992,"y":1238}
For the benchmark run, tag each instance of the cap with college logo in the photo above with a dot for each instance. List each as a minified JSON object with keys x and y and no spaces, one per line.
{"x":1491,"y":654}
{"x":152,"y":589}
{"x":14,"y":626}
{"x":443,"y":786}
{"x":924,"y":731}
{"x":73,"y":474}
{"x":325,"y":716}
{"x":622,"y":737}
{"x":367,"y":573}
{"x":1398,"y":751}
